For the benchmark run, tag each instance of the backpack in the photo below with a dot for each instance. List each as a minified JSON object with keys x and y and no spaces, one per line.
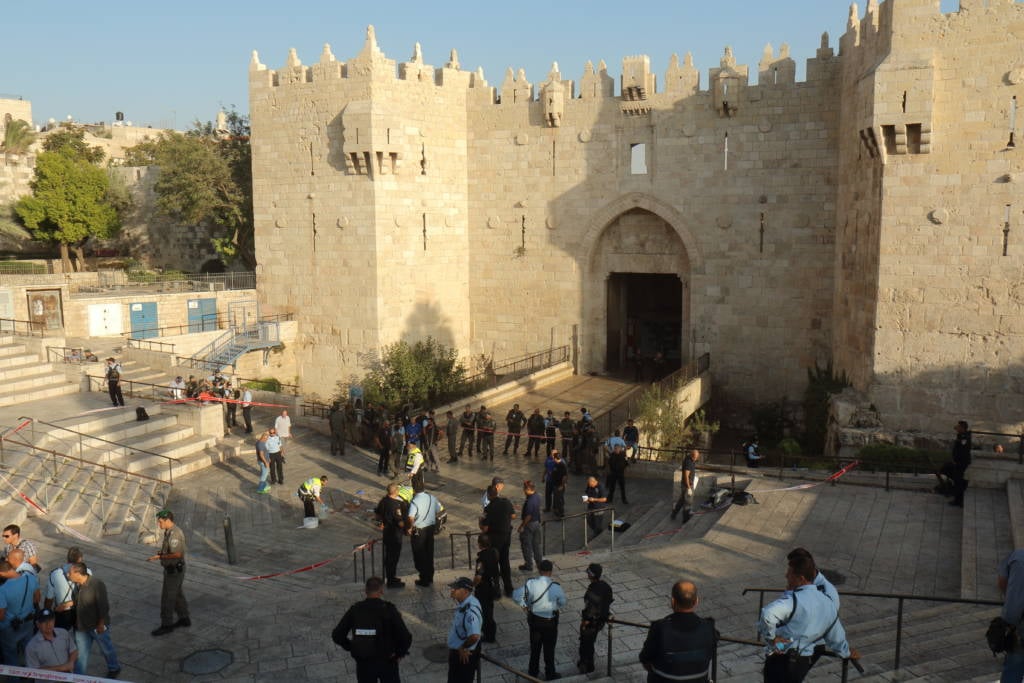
{"x":141,"y":415}
{"x":440,"y":519}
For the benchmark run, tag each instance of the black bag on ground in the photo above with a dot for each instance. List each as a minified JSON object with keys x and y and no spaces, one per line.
{"x":141,"y":415}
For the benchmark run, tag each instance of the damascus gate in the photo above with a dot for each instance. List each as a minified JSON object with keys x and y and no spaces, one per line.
{"x":870,"y":215}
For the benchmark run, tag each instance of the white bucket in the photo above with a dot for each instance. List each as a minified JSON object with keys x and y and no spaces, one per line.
{"x":310,"y":523}
{"x":322,"y":512}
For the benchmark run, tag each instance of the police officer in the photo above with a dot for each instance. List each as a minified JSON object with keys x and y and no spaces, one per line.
{"x":172,"y":558}
{"x":379,"y":637}
{"x":338,"y":423}
{"x":542,"y":598}
{"x":309,"y":492}
{"x":597,"y":602}
{"x":464,"y":633}
{"x":514,"y":421}
{"x":680,"y":646}
{"x":798,"y":623}
{"x":485,"y":427}
{"x":423,"y":511}
{"x":392,"y":519}
{"x":414,"y":465}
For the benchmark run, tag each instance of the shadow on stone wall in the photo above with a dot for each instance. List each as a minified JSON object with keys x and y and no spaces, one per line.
{"x":427,"y":320}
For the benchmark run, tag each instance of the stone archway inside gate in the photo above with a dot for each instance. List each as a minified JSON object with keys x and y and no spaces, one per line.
{"x":637,"y":306}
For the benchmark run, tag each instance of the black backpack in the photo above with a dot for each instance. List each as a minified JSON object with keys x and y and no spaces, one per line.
{"x":141,"y":415}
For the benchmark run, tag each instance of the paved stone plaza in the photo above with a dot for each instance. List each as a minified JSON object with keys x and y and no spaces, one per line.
{"x":279,"y":628}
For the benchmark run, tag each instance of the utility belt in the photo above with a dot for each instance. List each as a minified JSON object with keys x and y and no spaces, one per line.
{"x":537,"y":617}
{"x":175,"y":568}
{"x":417,"y":530}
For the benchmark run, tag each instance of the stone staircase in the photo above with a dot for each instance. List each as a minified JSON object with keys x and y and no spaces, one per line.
{"x":103,"y":474}
{"x":24,"y":377}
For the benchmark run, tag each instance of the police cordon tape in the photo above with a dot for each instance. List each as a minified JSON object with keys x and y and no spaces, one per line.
{"x":799,"y":487}
{"x":46,"y":675}
{"x":210,"y":398}
{"x":308,"y":567}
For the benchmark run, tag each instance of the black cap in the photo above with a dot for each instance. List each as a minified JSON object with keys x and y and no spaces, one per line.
{"x":595,"y":570}
{"x":44,"y":615}
{"x":462,"y":582}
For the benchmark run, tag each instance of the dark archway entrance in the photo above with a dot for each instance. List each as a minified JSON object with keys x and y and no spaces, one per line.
{"x":645,"y":319}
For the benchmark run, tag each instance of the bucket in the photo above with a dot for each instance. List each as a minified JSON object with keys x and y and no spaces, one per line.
{"x":310,"y":523}
{"x":322,"y":512}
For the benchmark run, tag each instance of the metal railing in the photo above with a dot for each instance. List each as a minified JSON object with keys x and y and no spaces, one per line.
{"x":501,"y":665}
{"x":315,"y":409}
{"x":615,"y":417}
{"x":208,"y":323}
{"x":507,"y":371}
{"x":22,"y":328}
{"x":126,"y":451}
{"x":900,"y":597}
{"x":469,"y":545}
{"x":359,"y":553}
{"x":66,"y":354}
{"x":1020,"y":443}
{"x":134,"y":388}
{"x":586,"y":527}
{"x":150,"y":345}
{"x":714,"y":653}
{"x":110,"y":281}
{"x":282,"y":388}
{"x":199,"y":363}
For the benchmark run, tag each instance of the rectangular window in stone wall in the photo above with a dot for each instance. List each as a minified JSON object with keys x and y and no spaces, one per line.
{"x":913,"y":138}
{"x":638,"y":158}
{"x":889,"y":138}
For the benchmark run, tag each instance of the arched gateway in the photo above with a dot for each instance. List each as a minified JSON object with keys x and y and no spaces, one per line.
{"x":637,"y":283}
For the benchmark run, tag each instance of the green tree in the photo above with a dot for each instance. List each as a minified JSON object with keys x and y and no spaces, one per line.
{"x":660,"y":413}
{"x":206,"y":179}
{"x":419,"y":374}
{"x":70,"y":203}
{"x":70,"y":140}
{"x":18,"y":137}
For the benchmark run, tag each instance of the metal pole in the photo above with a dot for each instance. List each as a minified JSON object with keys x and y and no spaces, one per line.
{"x":609,"y":658}
{"x":363,"y":553}
{"x":543,"y":524}
{"x":899,"y":633}
{"x":355,"y":571}
{"x":613,"y":529}
{"x":563,"y":535}
{"x":451,"y":547}
{"x":469,"y":550}
{"x":229,"y":541}
{"x":714,"y":661}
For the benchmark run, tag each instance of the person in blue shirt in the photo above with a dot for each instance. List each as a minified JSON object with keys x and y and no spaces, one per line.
{"x":810,"y":619}
{"x":631,"y":435}
{"x":464,"y":633}
{"x":542,"y":598}
{"x":1011,"y":583}
{"x":529,"y":527}
{"x":423,"y":511}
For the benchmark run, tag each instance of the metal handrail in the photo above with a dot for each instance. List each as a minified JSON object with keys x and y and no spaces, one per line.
{"x":469,"y":545}
{"x":361,"y":548}
{"x":207,"y":323}
{"x":158,"y":392}
{"x":901,"y":597}
{"x":714,"y":655}
{"x":586,"y":528}
{"x":501,"y":665}
{"x":68,"y":354}
{"x":199,"y":363}
{"x":129,"y":450}
{"x":22,"y":328}
{"x":150,"y":345}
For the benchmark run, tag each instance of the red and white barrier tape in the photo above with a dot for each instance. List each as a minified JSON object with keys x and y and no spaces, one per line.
{"x":307,"y":568}
{"x":800,"y":487}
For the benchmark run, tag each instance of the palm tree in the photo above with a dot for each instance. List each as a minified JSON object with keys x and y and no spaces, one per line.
{"x":18,"y":137}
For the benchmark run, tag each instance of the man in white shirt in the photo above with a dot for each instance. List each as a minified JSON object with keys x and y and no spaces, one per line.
{"x":283,"y":425}
{"x":177,"y":388}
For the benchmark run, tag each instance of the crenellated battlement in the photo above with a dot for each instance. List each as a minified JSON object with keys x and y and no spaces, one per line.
{"x":637,"y":80}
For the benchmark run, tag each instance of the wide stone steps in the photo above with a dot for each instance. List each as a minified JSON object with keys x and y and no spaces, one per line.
{"x":24,"y":377}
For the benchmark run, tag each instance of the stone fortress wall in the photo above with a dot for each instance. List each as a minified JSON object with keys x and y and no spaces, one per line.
{"x":806,"y":220}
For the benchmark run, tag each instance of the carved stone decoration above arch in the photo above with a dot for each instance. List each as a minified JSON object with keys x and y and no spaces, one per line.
{"x":605,"y":215}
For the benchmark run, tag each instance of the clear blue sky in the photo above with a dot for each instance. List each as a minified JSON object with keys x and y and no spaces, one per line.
{"x":170,"y":63}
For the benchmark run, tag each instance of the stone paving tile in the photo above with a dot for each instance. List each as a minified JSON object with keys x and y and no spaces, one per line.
{"x":279,"y":628}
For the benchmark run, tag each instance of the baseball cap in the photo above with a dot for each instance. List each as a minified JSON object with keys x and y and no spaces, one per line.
{"x":164,"y":514}
{"x":497,"y":480}
{"x":462,"y":582}
{"x":44,"y":614}
{"x":595,"y":570}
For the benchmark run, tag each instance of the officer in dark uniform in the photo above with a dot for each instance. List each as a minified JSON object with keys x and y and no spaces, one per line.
{"x":391,"y":513}
{"x":468,"y":424}
{"x":680,"y":646}
{"x":487,"y":586}
{"x":379,"y":637}
{"x":961,"y":461}
{"x":514,"y":421}
{"x":497,"y":523}
{"x":597,"y":602}
{"x":337,"y":421}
